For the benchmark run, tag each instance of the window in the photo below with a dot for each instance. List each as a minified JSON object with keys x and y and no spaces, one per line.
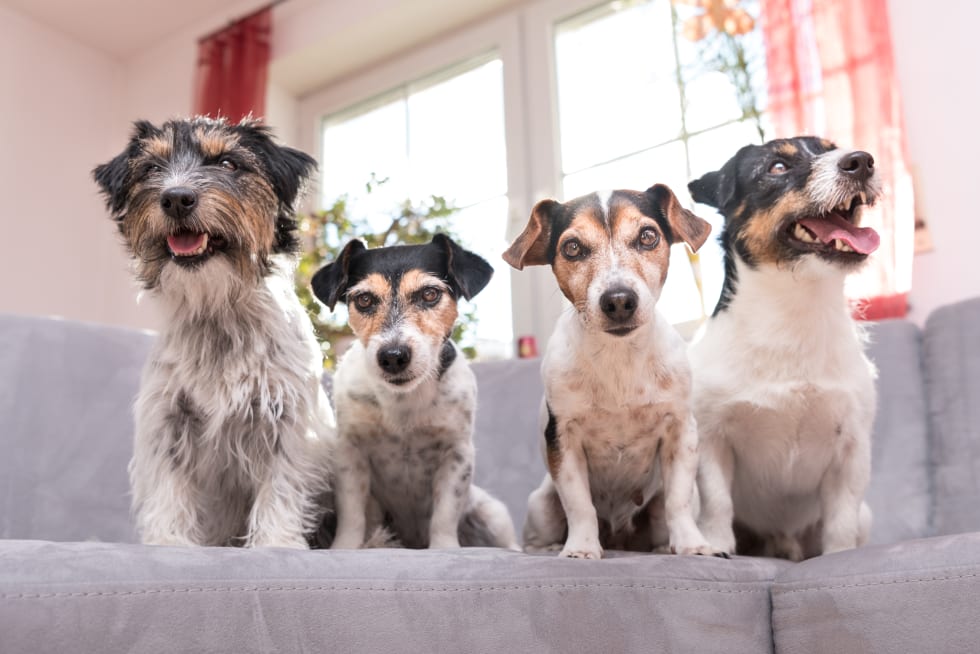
{"x":441,"y":135}
{"x":638,"y":104}
{"x":554,"y":98}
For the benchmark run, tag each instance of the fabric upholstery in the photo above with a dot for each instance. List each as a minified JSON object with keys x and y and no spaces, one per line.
{"x":97,"y":597}
{"x":66,"y":428}
{"x":952,"y":374}
{"x":901,"y":480}
{"x":916,"y":596}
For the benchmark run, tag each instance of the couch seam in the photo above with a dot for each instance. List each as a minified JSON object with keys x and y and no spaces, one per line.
{"x":252,"y":589}
{"x":777,"y":590}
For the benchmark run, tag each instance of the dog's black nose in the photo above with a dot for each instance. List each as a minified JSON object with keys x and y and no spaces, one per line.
{"x":395,"y":358}
{"x":857,"y":164}
{"x":619,"y":304}
{"x":178,"y":202}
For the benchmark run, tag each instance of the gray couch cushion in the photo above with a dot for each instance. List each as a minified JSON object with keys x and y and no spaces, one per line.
{"x":507,"y":437}
{"x":901,"y":483}
{"x":66,"y":428}
{"x":57,"y":597}
{"x":917,"y":596}
{"x":952,"y":372}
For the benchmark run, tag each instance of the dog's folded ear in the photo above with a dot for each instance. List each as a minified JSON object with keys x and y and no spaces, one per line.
{"x":716,"y":189}
{"x":113,"y":177}
{"x":468,"y":273}
{"x":683,"y":224}
{"x":330,"y":283}
{"x":112,"y":180}
{"x":531,"y":247}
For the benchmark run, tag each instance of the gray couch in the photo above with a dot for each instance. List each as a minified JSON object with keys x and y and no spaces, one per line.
{"x":73,"y":579}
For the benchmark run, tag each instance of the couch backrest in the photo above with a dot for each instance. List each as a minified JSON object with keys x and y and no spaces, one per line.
{"x":901,"y":480}
{"x":66,"y":395}
{"x":951,"y":355}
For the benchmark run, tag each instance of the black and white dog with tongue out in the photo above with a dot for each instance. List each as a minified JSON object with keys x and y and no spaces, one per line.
{"x":783,"y":393}
{"x":406,"y":400}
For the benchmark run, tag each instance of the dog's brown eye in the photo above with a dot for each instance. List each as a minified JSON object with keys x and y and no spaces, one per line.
{"x":649,"y":238}
{"x":431,"y":294}
{"x":572,"y":249}
{"x":228,"y":164}
{"x":778,"y":168}
{"x":364,"y":301}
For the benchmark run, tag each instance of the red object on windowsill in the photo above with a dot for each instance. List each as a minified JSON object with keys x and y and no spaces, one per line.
{"x":882,"y":307}
{"x":527,"y":347}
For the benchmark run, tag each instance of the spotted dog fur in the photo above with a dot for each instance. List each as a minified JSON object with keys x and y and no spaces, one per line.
{"x":620,"y":440}
{"x":783,"y":393}
{"x":232,"y":427}
{"x":406,"y":399}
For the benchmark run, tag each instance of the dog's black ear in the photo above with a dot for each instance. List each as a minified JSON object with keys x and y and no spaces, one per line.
{"x":717,"y":188}
{"x":531,"y":247}
{"x":113,"y":177}
{"x":469,"y":273}
{"x":289,"y":169}
{"x":684,"y":225}
{"x":330,"y":283}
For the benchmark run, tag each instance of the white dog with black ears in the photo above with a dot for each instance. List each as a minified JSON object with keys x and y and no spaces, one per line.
{"x":406,"y":400}
{"x":233,"y":430}
{"x":784,"y":395}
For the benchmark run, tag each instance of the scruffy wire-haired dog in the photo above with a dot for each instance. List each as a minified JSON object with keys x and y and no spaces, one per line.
{"x":619,"y":438}
{"x":406,"y":399}
{"x":232,"y":427}
{"x":784,"y":394}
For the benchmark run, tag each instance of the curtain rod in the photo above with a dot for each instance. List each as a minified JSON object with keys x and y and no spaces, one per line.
{"x":240,"y":19}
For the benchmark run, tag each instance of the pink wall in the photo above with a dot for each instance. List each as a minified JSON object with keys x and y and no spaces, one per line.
{"x":60,"y":117}
{"x":936,"y":48}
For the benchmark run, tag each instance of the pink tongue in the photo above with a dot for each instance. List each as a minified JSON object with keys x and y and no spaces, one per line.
{"x":861,"y":239}
{"x":185,"y":243}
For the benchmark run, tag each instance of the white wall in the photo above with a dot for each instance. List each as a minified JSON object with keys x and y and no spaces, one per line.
{"x":59,"y":109}
{"x":936,"y":49}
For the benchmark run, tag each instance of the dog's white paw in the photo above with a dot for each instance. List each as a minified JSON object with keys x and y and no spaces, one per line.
{"x":722,"y":539}
{"x":581,"y":551}
{"x":295,"y":542}
{"x":702,"y":548}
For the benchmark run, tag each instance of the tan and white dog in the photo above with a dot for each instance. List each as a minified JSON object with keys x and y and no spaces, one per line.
{"x":620,"y":439}
{"x":406,"y":400}
{"x":784,"y":395}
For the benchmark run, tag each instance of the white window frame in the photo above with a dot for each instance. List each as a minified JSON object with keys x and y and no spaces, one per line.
{"x":523,"y":37}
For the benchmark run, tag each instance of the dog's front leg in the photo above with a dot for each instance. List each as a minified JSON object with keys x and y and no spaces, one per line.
{"x":450,"y":493}
{"x":166,"y":504}
{"x":282,"y":506}
{"x":572,"y":483}
{"x":846,"y":521}
{"x":353,"y":490}
{"x":679,"y":463}
{"x":716,"y":469}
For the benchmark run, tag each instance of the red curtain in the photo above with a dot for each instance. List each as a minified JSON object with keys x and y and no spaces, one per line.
{"x":831,"y":73}
{"x":232,"y":65}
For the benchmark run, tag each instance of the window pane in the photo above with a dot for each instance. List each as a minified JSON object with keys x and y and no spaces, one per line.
{"x":481,"y":228}
{"x":617,"y":84}
{"x":441,"y":136}
{"x":370,"y":143}
{"x":456,"y":137}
